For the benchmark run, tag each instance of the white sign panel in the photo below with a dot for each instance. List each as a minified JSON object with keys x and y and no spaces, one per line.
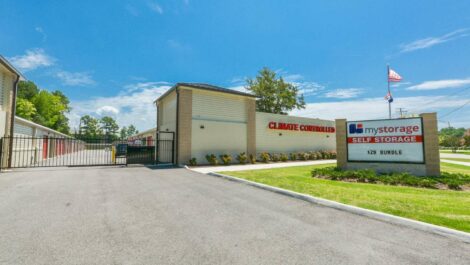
{"x":397,"y":140}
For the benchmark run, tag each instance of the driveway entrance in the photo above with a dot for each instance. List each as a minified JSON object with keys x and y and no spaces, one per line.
{"x":138,"y":215}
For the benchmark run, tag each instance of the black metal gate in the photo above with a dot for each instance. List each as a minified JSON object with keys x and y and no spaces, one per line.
{"x":26,"y":152}
{"x":165,"y":147}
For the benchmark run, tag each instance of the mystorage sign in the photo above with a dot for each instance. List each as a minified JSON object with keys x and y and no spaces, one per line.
{"x":398,"y":140}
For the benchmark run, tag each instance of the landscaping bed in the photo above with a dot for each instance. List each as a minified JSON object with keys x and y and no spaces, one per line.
{"x":454,"y":181}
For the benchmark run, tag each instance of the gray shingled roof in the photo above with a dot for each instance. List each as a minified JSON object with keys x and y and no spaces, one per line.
{"x":203,"y":86}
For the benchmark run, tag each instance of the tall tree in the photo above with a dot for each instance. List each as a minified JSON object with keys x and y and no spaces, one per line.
{"x":275,"y":95}
{"x":90,"y":127}
{"x":25,"y":109}
{"x":131,"y":130}
{"x":109,"y":126}
{"x":123,"y":133}
{"x":43,"y":107}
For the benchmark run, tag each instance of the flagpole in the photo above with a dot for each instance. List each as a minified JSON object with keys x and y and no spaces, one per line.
{"x":388,"y":88}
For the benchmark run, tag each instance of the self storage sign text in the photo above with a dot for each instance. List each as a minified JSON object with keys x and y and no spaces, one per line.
{"x":399,"y":140}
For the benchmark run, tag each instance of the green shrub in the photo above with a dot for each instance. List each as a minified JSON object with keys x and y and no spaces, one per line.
{"x":264,"y":157}
{"x":312,"y":156}
{"x":283,"y":157}
{"x":304,"y":156}
{"x":226,"y":159}
{"x":293,"y":156}
{"x":252,"y":159}
{"x":452,"y":180}
{"x":193,"y":162}
{"x":212,"y":159}
{"x":242,"y":158}
{"x":453,"y":185}
{"x":275,"y":157}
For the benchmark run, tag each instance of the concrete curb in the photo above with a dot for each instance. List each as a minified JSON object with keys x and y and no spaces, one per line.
{"x":439,"y":230}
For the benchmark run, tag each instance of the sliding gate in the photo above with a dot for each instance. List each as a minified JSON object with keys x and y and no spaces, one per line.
{"x":26,"y":152}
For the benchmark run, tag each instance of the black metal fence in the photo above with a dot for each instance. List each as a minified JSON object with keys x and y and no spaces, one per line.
{"x":59,"y":152}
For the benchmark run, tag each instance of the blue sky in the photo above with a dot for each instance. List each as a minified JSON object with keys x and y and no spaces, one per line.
{"x":115,"y":57}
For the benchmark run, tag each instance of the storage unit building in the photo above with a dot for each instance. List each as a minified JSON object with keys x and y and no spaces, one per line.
{"x":213,"y":120}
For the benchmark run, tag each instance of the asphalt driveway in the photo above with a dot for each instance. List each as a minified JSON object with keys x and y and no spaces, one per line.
{"x":175,"y":216}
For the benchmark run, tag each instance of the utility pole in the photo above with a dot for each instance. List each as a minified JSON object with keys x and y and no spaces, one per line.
{"x":402,"y":112}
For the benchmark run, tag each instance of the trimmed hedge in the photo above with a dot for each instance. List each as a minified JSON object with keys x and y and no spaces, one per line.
{"x":451,"y":180}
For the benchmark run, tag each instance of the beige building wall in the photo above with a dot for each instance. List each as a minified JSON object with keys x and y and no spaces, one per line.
{"x":6,"y":94}
{"x":167,"y":110}
{"x":283,"y":141}
{"x":219,"y":124}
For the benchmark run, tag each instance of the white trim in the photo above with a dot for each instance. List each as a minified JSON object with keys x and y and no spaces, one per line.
{"x":30,"y":123}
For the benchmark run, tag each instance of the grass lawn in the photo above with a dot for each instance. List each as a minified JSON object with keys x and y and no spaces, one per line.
{"x":458,"y":159}
{"x":454,"y":168}
{"x":439,"y":207}
{"x":463,"y":152}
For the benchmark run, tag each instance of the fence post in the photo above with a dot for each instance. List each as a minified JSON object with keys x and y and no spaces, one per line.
{"x":1,"y":153}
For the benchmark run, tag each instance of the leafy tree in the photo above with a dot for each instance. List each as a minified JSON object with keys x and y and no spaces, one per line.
{"x":131,"y":130}
{"x":109,"y":125}
{"x":275,"y":95}
{"x":450,"y":141}
{"x":123,"y":133}
{"x":466,"y":140}
{"x":90,"y":127}
{"x":457,"y":132}
{"x":25,"y":109}
{"x":27,"y":90}
{"x":50,"y":111}
{"x":43,"y":107}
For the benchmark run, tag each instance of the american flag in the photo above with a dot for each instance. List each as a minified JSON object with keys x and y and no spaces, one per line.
{"x":393,"y":76}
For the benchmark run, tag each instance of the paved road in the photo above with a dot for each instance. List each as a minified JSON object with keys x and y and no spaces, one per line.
{"x":456,"y":162}
{"x":452,"y":155}
{"x":175,"y":216}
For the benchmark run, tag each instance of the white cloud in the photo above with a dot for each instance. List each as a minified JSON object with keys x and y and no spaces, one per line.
{"x":107,"y":111}
{"x":33,"y":59}
{"x":134,"y":105}
{"x":377,"y":108}
{"x":154,"y":6}
{"x":432,"y":41}
{"x":75,"y":79}
{"x":344,"y":93}
{"x":40,"y":30}
{"x":440,"y":84}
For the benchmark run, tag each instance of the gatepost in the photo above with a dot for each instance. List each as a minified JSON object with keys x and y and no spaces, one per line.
{"x":394,"y":145}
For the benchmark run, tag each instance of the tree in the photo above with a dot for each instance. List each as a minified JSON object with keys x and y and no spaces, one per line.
{"x":43,"y":107}
{"x":110,"y":127}
{"x":27,"y":90}
{"x":275,"y":95}
{"x":450,"y":141}
{"x":90,"y":127}
{"x":466,"y":140}
{"x":131,"y":130}
{"x":457,"y":132}
{"x":25,"y":109}
{"x":123,"y":132}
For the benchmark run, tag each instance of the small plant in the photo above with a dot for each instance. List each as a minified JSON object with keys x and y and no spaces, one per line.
{"x":212,"y":159}
{"x":283,"y":157}
{"x":193,"y":162}
{"x":453,"y":185}
{"x":312,"y":156}
{"x":304,"y":156}
{"x":226,"y":159}
{"x":264,"y":157}
{"x":242,"y":158}
{"x":293,"y":156}
{"x":252,"y":159}
{"x":275,"y":157}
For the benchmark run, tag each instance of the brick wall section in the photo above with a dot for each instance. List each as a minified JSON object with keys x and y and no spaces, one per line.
{"x":431,"y":144}
{"x":251,"y":126}
{"x":341,"y":149}
{"x":185,"y":113}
